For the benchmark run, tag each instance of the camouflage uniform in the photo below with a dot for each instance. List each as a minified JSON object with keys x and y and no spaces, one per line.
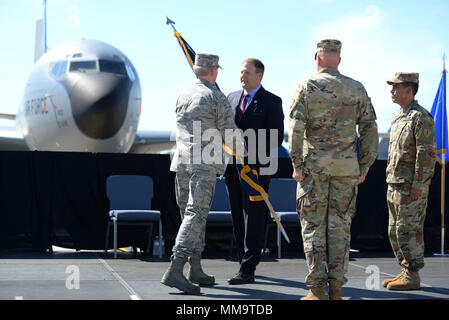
{"x":199,"y":105}
{"x":411,"y":162}
{"x":323,"y":117}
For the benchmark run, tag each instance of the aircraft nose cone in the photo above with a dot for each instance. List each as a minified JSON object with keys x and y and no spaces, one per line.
{"x":99,"y":103}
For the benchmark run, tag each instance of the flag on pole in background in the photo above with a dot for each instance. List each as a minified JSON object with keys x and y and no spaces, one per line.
{"x":439,"y":113}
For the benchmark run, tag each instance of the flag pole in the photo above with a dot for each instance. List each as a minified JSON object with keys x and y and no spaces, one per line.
{"x":443,"y":178}
{"x":443,"y":166}
{"x":443,"y":162}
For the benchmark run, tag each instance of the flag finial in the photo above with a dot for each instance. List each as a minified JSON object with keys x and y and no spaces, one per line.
{"x":444,"y":61}
{"x":170,"y":22}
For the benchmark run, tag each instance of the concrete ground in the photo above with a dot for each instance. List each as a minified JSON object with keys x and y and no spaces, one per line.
{"x":95,"y":275}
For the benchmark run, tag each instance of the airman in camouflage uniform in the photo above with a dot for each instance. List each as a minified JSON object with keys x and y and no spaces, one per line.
{"x":199,"y":108}
{"x":411,"y":162}
{"x":324,"y":115}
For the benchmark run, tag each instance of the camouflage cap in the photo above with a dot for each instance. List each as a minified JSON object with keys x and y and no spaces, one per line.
{"x":329,"y":45}
{"x":205,"y":60}
{"x":401,"y":77}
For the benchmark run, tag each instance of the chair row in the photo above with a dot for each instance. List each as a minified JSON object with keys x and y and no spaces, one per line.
{"x":130,"y":204}
{"x":281,"y":194}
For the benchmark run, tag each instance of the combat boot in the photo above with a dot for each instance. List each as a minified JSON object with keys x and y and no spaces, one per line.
{"x":174,"y":276}
{"x":408,"y":281}
{"x":335,"y":292}
{"x":387,"y":281}
{"x":196,"y":274}
{"x":316,"y":293}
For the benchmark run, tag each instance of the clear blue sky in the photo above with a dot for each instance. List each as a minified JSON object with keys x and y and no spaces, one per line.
{"x":379,"y":38}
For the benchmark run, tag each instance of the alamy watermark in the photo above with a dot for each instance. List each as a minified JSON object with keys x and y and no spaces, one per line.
{"x":372,"y":282}
{"x":209,"y":146}
{"x":73,"y":280}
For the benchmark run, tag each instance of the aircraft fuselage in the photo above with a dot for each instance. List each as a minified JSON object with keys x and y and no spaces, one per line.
{"x":82,"y":96}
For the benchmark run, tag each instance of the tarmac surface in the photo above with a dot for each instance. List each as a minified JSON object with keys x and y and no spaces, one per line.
{"x":94,"y":275}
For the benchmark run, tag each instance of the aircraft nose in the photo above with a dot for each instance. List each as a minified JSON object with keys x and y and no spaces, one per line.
{"x":99,"y":103}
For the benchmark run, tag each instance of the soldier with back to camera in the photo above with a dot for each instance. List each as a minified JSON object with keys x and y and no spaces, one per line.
{"x":326,"y":110}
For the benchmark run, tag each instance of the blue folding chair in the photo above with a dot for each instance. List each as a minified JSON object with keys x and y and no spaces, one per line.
{"x":130,"y":204}
{"x":282,"y":195}
{"x":220,"y":210}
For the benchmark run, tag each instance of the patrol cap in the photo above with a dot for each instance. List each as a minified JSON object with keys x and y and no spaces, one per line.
{"x":205,"y":60}
{"x":401,"y":77}
{"x":329,"y":45}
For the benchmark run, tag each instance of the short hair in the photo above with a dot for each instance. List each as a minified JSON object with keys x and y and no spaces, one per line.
{"x":257,"y":63}
{"x":201,"y":71}
{"x":413,"y":85}
{"x":327,"y":54}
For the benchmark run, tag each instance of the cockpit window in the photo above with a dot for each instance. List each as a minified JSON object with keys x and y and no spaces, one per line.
{"x":58,"y":69}
{"x":54,"y":68}
{"x":83,"y":66}
{"x":63,"y":68}
{"x":112,"y":67}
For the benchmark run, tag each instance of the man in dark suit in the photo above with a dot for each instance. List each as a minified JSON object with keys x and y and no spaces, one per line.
{"x":257,"y":112}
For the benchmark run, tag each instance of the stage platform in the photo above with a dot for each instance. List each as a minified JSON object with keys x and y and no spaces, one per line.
{"x":67,"y":274}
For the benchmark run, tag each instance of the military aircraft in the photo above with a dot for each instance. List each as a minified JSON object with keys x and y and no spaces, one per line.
{"x":84,"y":96}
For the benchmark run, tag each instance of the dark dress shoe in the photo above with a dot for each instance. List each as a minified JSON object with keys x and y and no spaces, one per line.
{"x":241,"y":278}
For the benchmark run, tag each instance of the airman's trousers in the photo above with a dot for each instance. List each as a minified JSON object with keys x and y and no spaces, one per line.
{"x":326,"y":206}
{"x":406,"y":224}
{"x":194,"y":193}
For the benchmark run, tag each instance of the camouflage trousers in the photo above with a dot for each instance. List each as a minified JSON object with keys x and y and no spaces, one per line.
{"x":405,"y":225}
{"x":194,"y":192}
{"x":326,"y":206}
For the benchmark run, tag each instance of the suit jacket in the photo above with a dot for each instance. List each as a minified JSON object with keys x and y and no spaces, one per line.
{"x":264,"y":112}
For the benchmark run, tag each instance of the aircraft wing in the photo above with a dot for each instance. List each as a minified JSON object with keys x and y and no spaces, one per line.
{"x":145,"y":142}
{"x":153,"y":141}
{"x":12,"y":139}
